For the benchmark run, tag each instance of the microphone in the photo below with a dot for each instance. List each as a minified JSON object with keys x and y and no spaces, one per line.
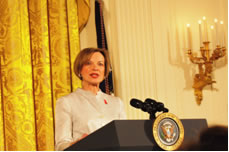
{"x":146,"y":107}
{"x":149,"y":105}
{"x":158,"y":105}
{"x":136,"y":103}
{"x":165,"y":110}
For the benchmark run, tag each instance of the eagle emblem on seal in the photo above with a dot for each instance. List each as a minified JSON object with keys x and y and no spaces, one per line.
{"x":168,"y":132}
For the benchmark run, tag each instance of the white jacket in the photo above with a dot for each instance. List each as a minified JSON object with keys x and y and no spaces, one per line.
{"x":81,"y":112}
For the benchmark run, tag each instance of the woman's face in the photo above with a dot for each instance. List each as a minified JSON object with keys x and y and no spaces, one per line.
{"x":93,"y":70}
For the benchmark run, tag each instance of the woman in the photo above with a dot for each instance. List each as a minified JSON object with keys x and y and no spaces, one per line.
{"x":88,"y":108}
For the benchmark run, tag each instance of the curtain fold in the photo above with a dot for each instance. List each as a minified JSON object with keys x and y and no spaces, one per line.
{"x":16,"y":75}
{"x":39,"y":35}
{"x":39,"y":41}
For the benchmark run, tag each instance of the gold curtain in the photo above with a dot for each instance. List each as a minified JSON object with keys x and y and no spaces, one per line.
{"x":39,"y":40}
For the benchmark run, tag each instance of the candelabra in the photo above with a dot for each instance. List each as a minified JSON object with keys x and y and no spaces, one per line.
{"x":205,"y":64}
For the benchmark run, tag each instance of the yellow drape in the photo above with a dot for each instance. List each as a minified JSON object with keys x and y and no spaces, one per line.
{"x":39,"y":41}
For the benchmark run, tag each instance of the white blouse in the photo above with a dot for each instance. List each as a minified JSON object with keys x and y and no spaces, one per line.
{"x":81,"y":112}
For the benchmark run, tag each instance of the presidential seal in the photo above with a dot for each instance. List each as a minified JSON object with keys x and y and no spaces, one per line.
{"x":168,"y":131}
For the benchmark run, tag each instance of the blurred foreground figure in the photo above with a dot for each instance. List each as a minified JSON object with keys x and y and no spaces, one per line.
{"x":214,"y":138}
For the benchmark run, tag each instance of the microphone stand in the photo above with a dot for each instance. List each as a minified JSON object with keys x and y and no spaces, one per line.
{"x":152,"y":113}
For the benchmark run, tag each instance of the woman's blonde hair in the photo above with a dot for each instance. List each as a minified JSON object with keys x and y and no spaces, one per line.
{"x":85,"y":55}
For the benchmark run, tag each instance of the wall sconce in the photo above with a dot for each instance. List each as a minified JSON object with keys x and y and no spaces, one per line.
{"x":205,"y":62}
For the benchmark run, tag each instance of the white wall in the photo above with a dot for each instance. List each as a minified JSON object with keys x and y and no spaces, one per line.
{"x":88,"y":35}
{"x":147,"y":41}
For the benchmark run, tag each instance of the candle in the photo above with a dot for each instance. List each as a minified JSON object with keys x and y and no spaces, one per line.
{"x":205,"y":29}
{"x":222,"y":33}
{"x":200,"y":31}
{"x":213,"y":36}
{"x":216,"y":31}
{"x":189,"y":36}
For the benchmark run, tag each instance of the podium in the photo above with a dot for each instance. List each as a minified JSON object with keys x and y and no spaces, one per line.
{"x":133,"y":135}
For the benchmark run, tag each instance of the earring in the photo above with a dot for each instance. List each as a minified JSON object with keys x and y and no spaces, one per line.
{"x":80,"y":76}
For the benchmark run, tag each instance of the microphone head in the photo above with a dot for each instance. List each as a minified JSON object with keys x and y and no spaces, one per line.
{"x":156,"y":106}
{"x":160,"y":106}
{"x":152,"y":101}
{"x":152,"y":105}
{"x":136,"y":103}
{"x":146,"y":107}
